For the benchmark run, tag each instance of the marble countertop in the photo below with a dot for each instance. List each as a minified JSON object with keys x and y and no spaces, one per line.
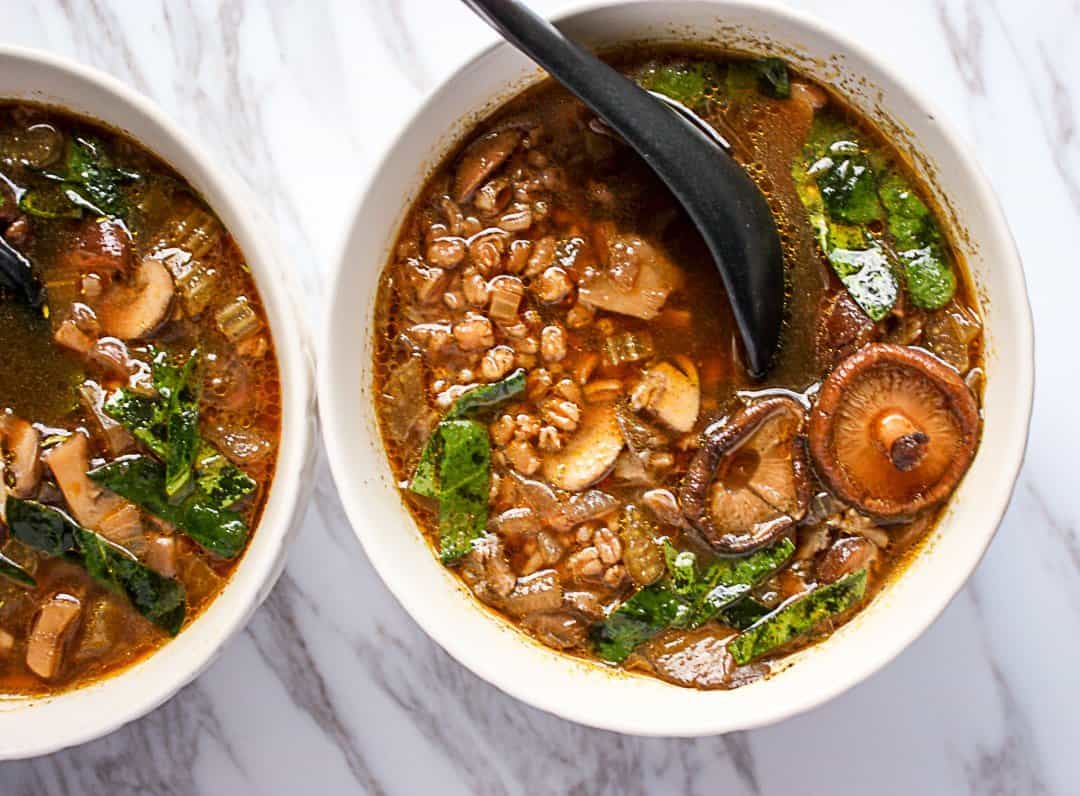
{"x":333,"y":689}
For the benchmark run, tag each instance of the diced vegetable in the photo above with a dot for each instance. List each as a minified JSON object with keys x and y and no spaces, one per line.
{"x":628,"y":347}
{"x":643,"y":554}
{"x":141,"y":480}
{"x":195,"y":233}
{"x":797,"y":618}
{"x":949,"y":335}
{"x":102,"y":629}
{"x":506,"y":295}
{"x":159,"y":599}
{"x":684,"y":599}
{"x":238,"y":319}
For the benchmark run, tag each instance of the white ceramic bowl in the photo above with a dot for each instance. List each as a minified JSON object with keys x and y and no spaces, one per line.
{"x":31,"y":727}
{"x":586,"y":692}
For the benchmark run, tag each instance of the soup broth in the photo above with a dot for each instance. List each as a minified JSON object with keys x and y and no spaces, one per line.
{"x":563,"y":399}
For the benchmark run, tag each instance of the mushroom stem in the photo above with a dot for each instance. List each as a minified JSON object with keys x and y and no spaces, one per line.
{"x":904,"y":442}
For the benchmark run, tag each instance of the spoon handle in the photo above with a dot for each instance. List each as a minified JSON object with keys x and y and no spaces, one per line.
{"x":627,"y":108}
{"x":721,"y":200}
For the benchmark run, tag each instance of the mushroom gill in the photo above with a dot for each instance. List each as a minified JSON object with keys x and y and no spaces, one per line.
{"x":747,"y":485}
{"x":893,"y":431}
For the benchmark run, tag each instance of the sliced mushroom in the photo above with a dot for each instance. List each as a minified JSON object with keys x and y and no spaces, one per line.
{"x":103,"y":246}
{"x":843,"y":328}
{"x":481,"y":159}
{"x":748,"y":484}
{"x":590,"y":454}
{"x":92,"y":505}
{"x":672,"y":394}
{"x":561,"y":631}
{"x":845,"y":557}
{"x":656,"y":277}
{"x":132,"y":309}
{"x":116,"y":438}
{"x":22,"y":449}
{"x":53,"y":627}
{"x":894,"y":430}
{"x":162,"y":554}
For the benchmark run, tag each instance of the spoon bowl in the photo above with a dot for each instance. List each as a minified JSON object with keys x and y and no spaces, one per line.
{"x":725,"y":205}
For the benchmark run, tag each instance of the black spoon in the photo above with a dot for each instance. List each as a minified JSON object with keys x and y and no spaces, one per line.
{"x":724,"y":203}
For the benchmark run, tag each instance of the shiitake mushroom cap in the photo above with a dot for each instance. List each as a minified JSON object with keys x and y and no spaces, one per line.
{"x":893,"y":430}
{"x":748,"y":484}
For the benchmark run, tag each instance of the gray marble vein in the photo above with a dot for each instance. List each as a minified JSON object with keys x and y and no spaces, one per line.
{"x":333,"y":689}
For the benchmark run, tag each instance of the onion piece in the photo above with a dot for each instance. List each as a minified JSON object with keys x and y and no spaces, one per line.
{"x":538,"y":593}
{"x":584,"y":507}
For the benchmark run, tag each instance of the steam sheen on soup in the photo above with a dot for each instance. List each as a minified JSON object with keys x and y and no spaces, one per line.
{"x":563,"y":401}
{"x":139,"y":402}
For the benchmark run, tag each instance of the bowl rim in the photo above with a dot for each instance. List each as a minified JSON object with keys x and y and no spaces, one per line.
{"x":255,"y":575}
{"x":1011,"y":459}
